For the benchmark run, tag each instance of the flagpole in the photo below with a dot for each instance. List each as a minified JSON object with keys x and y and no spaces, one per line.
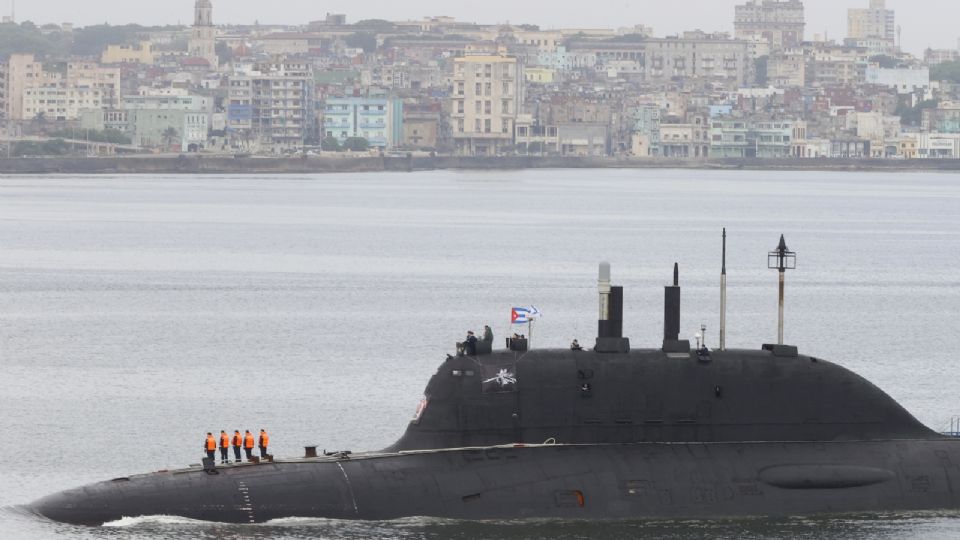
{"x":529,"y":333}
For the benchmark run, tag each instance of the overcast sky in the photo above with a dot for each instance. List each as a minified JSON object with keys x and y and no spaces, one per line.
{"x":926,"y":23}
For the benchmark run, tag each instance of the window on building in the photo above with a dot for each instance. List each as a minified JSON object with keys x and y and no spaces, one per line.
{"x":477,"y":106}
{"x":460,"y":106}
{"x":504,"y":125}
{"x":488,"y":107}
{"x":479,"y":89}
{"x":477,"y":126}
{"x":460,"y":125}
{"x":486,"y":126}
{"x":488,"y":89}
{"x":505,"y":106}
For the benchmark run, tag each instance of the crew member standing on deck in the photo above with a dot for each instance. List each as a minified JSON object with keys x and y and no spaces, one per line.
{"x":210,"y":446}
{"x":237,"y":445}
{"x":248,"y":444}
{"x":224,"y":447}
{"x":264,"y":442}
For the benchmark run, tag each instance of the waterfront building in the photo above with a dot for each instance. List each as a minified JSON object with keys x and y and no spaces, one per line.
{"x":747,"y":138}
{"x":378,"y":120}
{"x":271,"y":106}
{"x":171,"y":120}
{"x":780,"y":23}
{"x":488,"y":91}
{"x":645,"y":135}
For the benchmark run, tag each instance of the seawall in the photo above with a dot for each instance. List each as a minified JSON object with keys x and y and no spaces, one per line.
{"x":194,"y":164}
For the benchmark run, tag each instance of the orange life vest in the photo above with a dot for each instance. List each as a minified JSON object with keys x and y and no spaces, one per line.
{"x":237,"y":439}
{"x":264,"y":439}
{"x":248,"y":441}
{"x":211,"y":443}
{"x":224,"y":440}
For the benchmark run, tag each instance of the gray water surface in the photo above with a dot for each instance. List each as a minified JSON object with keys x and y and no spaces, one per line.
{"x":138,"y":313}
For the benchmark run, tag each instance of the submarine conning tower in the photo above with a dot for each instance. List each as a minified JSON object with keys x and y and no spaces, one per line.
{"x":615,"y":394}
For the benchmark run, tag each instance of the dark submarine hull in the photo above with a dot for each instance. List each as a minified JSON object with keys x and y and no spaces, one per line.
{"x":637,"y":434}
{"x":609,"y":481}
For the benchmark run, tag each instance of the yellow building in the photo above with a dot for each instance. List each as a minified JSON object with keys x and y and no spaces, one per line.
{"x":540,"y":75}
{"x":487,"y":96}
{"x":128,"y":54}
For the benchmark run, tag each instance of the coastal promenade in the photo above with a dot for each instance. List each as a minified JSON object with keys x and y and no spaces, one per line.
{"x":199,"y":164}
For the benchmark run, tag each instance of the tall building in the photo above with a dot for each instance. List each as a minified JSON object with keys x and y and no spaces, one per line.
{"x":203,"y":42}
{"x":487,"y":96}
{"x":777,"y":22}
{"x":271,"y":107}
{"x":874,"y":22}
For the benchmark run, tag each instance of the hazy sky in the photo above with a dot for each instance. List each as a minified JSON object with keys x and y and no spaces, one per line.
{"x":925,"y":23}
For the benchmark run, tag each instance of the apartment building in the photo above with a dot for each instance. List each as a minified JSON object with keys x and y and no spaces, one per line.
{"x":271,"y":106}
{"x":875,"y":21}
{"x":780,"y":23}
{"x":378,"y":120}
{"x":53,"y":95}
{"x":746,"y":138}
{"x":488,"y":91}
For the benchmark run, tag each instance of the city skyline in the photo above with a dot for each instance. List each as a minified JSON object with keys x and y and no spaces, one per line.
{"x":920,"y":29}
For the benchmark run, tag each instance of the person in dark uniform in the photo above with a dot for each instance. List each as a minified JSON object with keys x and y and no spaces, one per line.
{"x":210,"y":446}
{"x":487,"y":334}
{"x":575,"y":346}
{"x":237,"y":445}
{"x":470,"y":345}
{"x":264,"y":442}
{"x":224,"y":447}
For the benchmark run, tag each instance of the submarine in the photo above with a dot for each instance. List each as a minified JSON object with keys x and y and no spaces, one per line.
{"x":614,"y":432}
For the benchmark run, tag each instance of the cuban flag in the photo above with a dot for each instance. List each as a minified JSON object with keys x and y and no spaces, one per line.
{"x":523,"y":315}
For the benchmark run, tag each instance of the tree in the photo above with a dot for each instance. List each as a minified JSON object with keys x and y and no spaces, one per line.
{"x":885,"y":61}
{"x":169,"y":135}
{"x":379,"y":24}
{"x":910,"y":115}
{"x":362,"y":40}
{"x":330,"y":144}
{"x":947,"y":71}
{"x":92,"y":40}
{"x":224,"y":52}
{"x":356,"y":144}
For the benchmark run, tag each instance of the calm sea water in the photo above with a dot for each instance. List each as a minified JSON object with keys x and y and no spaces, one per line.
{"x":138,"y":313}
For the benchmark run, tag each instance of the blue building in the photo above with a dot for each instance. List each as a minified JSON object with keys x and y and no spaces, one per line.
{"x":378,"y":120}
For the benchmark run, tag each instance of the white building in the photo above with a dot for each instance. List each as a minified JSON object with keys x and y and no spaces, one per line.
{"x":905,"y":80}
{"x":486,"y":99}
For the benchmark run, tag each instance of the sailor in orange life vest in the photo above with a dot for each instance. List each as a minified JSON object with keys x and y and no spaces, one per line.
{"x":248,"y":444}
{"x":210,"y":445}
{"x":224,"y":447}
{"x":264,"y":442}
{"x":237,"y":445}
